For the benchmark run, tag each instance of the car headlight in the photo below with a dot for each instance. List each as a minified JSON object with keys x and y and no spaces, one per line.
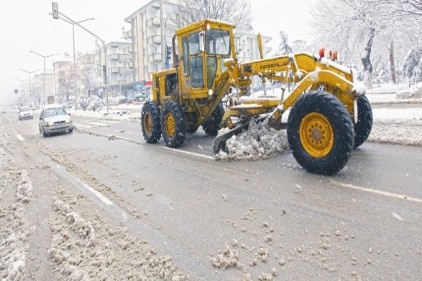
{"x":49,"y":123}
{"x":68,"y":121}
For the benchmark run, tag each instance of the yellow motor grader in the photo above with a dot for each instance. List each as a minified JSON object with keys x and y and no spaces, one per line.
{"x":328,"y":116}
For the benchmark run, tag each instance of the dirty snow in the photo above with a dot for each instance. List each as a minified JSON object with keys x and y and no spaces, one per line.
{"x":258,"y":142}
{"x":14,"y":231}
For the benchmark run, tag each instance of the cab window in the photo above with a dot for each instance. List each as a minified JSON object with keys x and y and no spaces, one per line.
{"x":193,"y":43}
{"x":217,"y":42}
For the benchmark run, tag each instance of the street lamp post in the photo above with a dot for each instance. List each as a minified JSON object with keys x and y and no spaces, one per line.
{"x":29,"y":73}
{"x":44,"y":57}
{"x":56,"y":15}
{"x":74,"y":49}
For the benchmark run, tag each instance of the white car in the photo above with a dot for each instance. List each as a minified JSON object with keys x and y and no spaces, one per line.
{"x":54,"y":119}
{"x":25,"y":112}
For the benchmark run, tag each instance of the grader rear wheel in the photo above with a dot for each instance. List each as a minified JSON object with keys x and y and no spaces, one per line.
{"x":150,"y":121}
{"x":173,"y":126}
{"x":320,"y":133}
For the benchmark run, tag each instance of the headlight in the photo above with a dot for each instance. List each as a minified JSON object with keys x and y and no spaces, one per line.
{"x":68,"y":121}
{"x":49,"y":123}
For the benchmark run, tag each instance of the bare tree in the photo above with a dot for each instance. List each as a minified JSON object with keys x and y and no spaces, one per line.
{"x":237,"y":12}
{"x":65,"y":89}
{"x":90,"y":80}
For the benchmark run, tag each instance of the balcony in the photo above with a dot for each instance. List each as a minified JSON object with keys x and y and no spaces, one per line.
{"x":155,"y":39}
{"x":154,"y":21}
{"x":114,"y":57}
{"x":154,"y":58}
{"x":155,"y":4}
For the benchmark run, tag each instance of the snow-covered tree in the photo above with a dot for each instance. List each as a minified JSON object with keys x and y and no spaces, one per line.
{"x":284,"y":48}
{"x":237,"y":12}
{"x":412,"y":66}
{"x":368,"y":33}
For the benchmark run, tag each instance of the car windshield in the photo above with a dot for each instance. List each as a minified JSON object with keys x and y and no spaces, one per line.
{"x":54,"y":111}
{"x":24,"y":108}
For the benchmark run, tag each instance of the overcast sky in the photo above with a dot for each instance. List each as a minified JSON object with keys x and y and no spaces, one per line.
{"x":26,"y":25}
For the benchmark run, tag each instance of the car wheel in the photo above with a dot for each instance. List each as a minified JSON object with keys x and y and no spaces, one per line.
{"x":44,"y":134}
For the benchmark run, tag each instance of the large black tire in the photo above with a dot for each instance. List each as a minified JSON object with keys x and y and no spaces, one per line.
{"x":191,"y":125}
{"x":320,"y":133}
{"x":212,"y":125}
{"x":150,"y":122}
{"x":364,"y":125}
{"x":173,"y":126}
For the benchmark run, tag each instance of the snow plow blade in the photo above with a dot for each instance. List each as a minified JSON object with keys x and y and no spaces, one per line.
{"x":220,"y":140}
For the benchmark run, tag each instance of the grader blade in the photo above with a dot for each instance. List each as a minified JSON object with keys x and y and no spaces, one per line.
{"x":220,"y":140}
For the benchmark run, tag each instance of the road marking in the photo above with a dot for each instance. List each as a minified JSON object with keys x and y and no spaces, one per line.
{"x":379,"y":192}
{"x":83,"y":126}
{"x":99,"y":195}
{"x":98,"y":124}
{"x":190,"y":153}
{"x":20,"y":137}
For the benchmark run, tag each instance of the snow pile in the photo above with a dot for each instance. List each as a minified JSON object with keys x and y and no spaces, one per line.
{"x":257,"y":142}
{"x":227,"y":258}
{"x":84,"y":249}
{"x":24,"y":190}
{"x":15,"y":230}
{"x":413,"y":93}
{"x":397,"y":126}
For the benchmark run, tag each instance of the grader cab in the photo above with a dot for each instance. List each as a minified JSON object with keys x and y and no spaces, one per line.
{"x":328,"y":116}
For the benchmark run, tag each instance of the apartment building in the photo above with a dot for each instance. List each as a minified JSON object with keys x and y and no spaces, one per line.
{"x":119,"y":67}
{"x":150,"y":34}
{"x":247,"y":46}
{"x":42,"y":87}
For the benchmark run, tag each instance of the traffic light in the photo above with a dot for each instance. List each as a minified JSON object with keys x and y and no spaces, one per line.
{"x":55,"y":10}
{"x":168,"y":53}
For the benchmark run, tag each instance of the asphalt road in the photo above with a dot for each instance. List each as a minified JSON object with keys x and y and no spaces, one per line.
{"x":260,"y":219}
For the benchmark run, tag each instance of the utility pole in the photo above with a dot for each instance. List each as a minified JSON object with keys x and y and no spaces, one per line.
{"x":74,"y":51}
{"x":29,"y":73}
{"x":44,"y":57}
{"x":56,"y":15}
{"x":23,"y":92}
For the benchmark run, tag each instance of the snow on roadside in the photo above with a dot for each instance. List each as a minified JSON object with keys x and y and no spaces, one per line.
{"x":90,"y":249}
{"x":397,"y":126}
{"x":14,"y":226}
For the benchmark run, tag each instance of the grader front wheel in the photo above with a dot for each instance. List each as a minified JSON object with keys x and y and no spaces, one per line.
{"x":211,"y":126}
{"x":173,"y":126}
{"x":320,"y":133}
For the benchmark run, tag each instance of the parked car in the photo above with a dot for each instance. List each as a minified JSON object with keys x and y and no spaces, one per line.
{"x":54,"y":119}
{"x":25,"y":112}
